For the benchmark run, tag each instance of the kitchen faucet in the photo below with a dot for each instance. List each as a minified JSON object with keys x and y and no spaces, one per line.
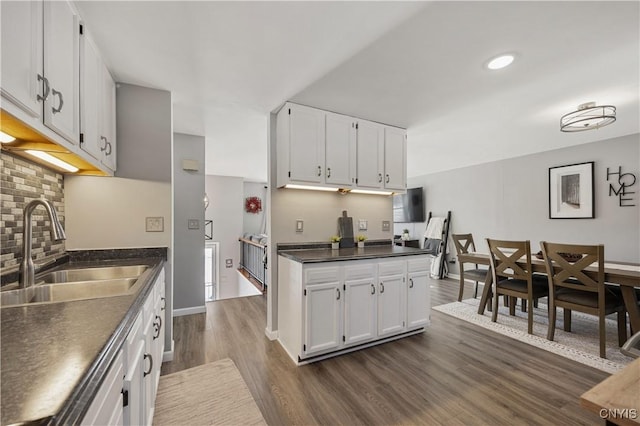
{"x":57,"y":234}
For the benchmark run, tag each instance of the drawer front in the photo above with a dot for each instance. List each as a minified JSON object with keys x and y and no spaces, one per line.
{"x":355,"y":272}
{"x":391,"y":267}
{"x":417,"y":264}
{"x":321,"y":275}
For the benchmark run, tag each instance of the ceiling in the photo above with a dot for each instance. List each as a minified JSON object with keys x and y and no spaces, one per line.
{"x":418,"y":65}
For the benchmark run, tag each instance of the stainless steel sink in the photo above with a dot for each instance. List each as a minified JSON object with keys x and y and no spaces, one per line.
{"x":62,"y":292}
{"x":90,"y":274}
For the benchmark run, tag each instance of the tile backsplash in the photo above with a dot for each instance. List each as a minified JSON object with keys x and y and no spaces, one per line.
{"x":23,"y":181}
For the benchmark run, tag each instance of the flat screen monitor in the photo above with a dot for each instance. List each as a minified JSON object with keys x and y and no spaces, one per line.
{"x":409,"y":207}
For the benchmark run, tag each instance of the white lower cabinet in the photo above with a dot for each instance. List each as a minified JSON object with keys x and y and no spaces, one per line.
{"x":391,"y":298}
{"x":133,"y":378}
{"x":106,"y":408}
{"x":336,"y":306}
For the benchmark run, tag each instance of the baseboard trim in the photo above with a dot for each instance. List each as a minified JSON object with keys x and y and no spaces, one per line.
{"x":168,"y":355}
{"x":189,"y":311}
{"x":271,"y":335}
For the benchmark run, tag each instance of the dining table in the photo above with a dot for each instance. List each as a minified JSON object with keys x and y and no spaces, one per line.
{"x":625,"y":275}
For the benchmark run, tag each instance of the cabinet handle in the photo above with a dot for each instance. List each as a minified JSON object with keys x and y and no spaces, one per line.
{"x":54,"y":92}
{"x":373,"y":289}
{"x":319,"y":171}
{"x":157,"y":326}
{"x":164,"y":303}
{"x":108,"y":148}
{"x":104,"y":148}
{"x":338,"y":297}
{"x":387,"y":177}
{"x":410,"y":282}
{"x":379,"y":177}
{"x":381,"y":288}
{"x":46,"y":88}
{"x":328,"y":172}
{"x":146,"y":373}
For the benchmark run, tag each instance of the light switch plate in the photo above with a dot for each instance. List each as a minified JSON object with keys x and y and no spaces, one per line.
{"x":154,"y":224}
{"x":386,"y":225}
{"x":299,"y":225}
{"x":193,"y":224}
{"x":228,"y":263}
{"x":362,"y":225}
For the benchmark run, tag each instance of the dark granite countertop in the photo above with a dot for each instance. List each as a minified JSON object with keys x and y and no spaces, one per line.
{"x":54,"y":356}
{"x":317,"y":255}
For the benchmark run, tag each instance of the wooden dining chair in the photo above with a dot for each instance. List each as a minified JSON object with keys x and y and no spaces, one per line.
{"x":512,"y":277}
{"x":571,"y":287}
{"x":464,"y":244}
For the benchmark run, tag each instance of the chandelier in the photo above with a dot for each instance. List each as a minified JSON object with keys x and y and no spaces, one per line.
{"x":587,"y":117}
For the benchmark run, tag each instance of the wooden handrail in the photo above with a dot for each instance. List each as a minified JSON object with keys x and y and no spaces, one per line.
{"x":253,"y":243}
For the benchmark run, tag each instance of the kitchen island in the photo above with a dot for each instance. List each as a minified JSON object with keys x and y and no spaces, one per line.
{"x":332,"y":302}
{"x":56,"y":356}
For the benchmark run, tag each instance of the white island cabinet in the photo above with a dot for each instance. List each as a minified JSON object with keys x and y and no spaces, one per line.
{"x":331,"y":307}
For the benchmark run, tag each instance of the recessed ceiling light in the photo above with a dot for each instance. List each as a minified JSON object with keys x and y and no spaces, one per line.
{"x":500,"y":62}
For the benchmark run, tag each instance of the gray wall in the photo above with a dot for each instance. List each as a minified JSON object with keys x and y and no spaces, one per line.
{"x":188,"y":244}
{"x":509,"y":200}
{"x":144,"y":131}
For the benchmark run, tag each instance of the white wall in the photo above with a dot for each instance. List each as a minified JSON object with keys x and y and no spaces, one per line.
{"x":226,"y":204}
{"x":254,"y":223}
{"x":110,"y":212}
{"x":509,"y":199}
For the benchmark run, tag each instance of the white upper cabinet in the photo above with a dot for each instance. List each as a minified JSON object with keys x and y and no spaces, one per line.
{"x":395,"y":158}
{"x":21,"y":32}
{"x":300,"y":144}
{"x":370,"y":155}
{"x":340,"y":150}
{"x":62,"y":70}
{"x":321,"y":148}
{"x":97,"y":99}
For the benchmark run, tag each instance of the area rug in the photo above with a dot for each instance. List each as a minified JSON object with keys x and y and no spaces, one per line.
{"x":581,"y":344}
{"x":210,"y":394}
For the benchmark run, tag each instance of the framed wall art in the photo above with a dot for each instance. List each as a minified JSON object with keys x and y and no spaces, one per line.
{"x":571,"y":191}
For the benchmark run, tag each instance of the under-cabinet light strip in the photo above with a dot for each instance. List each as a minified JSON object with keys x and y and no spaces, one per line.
{"x":52,"y":160}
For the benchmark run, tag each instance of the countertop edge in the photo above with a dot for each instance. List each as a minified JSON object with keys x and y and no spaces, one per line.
{"x":292,"y":256}
{"x":78,"y":402}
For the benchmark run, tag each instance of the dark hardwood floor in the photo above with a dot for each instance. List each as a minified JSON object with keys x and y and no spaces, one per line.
{"x":454,"y":373}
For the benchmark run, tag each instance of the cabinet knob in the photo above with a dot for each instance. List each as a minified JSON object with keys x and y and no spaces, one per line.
{"x":54,"y":92}
{"x":46,"y":88}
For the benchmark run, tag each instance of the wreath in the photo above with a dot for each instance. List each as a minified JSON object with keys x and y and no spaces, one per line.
{"x":253,"y":205}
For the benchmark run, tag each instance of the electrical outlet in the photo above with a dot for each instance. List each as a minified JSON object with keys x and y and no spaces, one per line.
{"x":299,"y":225}
{"x":362,"y":225}
{"x":228,"y":263}
{"x":386,"y":225}
{"x":193,"y":224}
{"x":154,"y":224}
